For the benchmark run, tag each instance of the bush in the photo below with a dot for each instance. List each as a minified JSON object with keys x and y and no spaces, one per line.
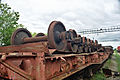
{"x":8,"y":23}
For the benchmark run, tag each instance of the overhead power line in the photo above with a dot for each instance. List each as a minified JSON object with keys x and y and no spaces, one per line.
{"x":101,"y":30}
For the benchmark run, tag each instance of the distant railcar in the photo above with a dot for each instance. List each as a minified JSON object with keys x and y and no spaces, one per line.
{"x":118,"y":48}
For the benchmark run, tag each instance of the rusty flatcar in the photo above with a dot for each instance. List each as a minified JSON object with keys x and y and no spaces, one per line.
{"x":53,"y":57}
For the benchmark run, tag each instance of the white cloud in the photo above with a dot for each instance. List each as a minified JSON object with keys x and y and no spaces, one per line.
{"x":36,"y":15}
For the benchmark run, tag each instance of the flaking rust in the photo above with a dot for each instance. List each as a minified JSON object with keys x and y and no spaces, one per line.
{"x":54,"y":56}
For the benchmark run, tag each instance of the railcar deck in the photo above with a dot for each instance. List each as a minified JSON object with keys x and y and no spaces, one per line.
{"x":34,"y":61}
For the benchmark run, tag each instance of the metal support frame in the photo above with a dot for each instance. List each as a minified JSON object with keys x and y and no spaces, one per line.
{"x":30,"y":63}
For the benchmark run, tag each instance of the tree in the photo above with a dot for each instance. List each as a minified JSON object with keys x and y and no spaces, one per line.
{"x":33,"y":34}
{"x":8,"y":23}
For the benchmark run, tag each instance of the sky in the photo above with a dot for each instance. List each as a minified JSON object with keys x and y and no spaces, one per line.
{"x":36,"y":15}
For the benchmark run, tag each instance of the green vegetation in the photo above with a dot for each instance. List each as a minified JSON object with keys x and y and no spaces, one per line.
{"x":115,"y":51}
{"x":117,"y":55}
{"x":107,"y":64}
{"x":8,"y":23}
{"x":98,"y":76}
{"x":34,"y":34}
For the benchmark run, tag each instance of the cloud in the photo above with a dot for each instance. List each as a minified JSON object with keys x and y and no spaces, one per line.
{"x":83,"y":13}
{"x":36,"y":15}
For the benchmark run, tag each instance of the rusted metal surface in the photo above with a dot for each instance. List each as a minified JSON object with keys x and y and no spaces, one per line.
{"x":35,"y":39}
{"x":16,"y":70}
{"x":53,"y":57}
{"x":40,"y":34}
{"x":74,"y":34}
{"x":72,"y":46}
{"x":35,"y":48}
{"x":22,"y":35}
{"x":19,"y":35}
{"x":96,"y":42}
{"x":34,"y":65}
{"x":56,"y":35}
{"x":58,"y":38}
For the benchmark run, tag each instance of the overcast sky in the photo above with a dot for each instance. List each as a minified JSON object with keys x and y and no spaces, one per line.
{"x":36,"y":15}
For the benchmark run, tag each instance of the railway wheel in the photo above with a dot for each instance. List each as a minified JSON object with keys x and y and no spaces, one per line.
{"x":80,"y":49}
{"x":89,"y":49}
{"x":86,"y":49}
{"x":40,"y":34}
{"x":56,"y":33}
{"x":18,"y":36}
{"x":72,"y":46}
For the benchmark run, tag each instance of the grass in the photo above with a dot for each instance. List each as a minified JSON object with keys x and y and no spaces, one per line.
{"x":117,"y":55}
{"x":107,"y":64}
{"x":98,"y":76}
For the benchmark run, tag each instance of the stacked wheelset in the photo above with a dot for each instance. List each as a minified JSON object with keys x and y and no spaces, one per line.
{"x":57,"y":38}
